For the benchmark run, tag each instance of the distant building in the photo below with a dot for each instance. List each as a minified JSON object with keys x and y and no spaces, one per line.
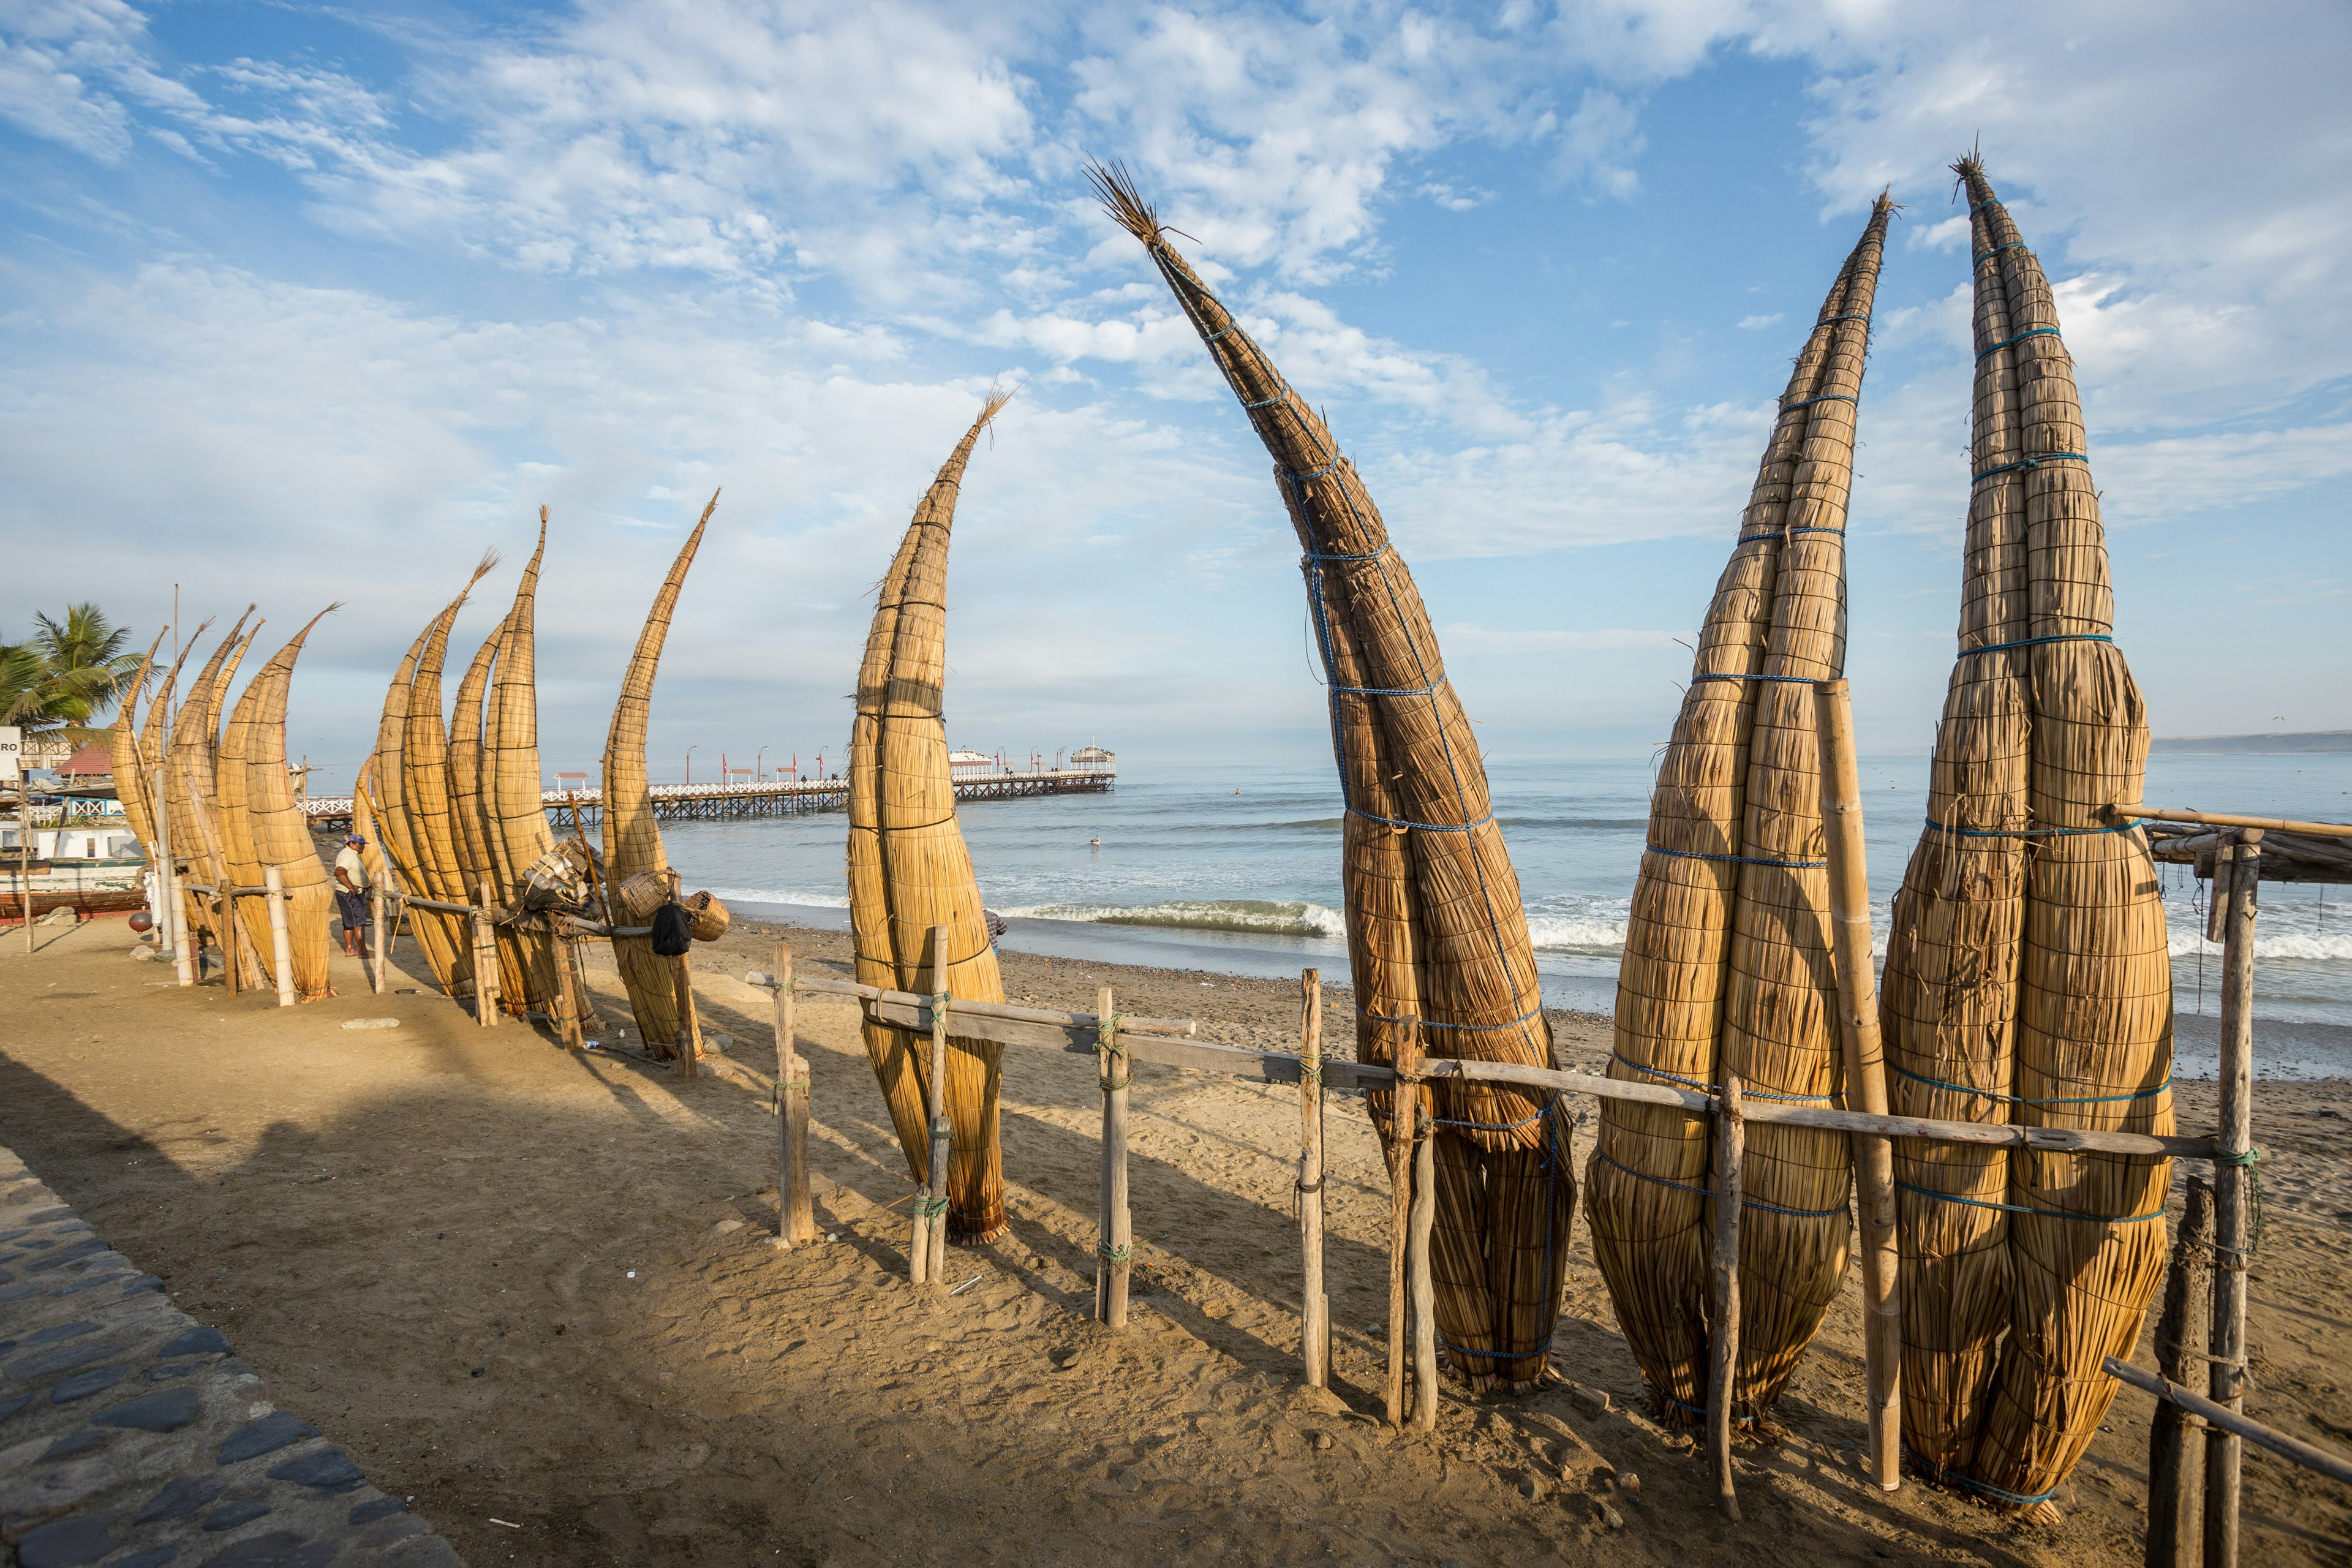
{"x":970,"y":764}
{"x":1093,"y":760}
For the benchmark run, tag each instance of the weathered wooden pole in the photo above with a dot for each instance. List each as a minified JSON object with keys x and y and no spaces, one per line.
{"x":1314,"y":1307}
{"x":281,"y":942}
{"x":795,"y":1221}
{"x":485,"y":959}
{"x":375,"y":940}
{"x":2233,"y":1161}
{"x":564,"y":1004}
{"x":226,"y":902}
{"x":1865,"y":1078}
{"x":25,"y":846}
{"x":1723,"y":1326}
{"x":1422,"y":1291}
{"x":2176,"y":1443}
{"x":942,"y":1131}
{"x":1118,"y":1245}
{"x":1404,"y":1112}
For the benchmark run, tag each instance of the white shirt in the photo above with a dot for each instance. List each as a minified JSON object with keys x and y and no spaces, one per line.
{"x":349,"y":864}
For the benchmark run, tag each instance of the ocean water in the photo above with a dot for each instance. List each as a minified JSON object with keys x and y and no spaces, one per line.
{"x":1236,"y":869}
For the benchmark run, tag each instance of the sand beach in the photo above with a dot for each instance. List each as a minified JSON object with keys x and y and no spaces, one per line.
{"x":521,"y":1285}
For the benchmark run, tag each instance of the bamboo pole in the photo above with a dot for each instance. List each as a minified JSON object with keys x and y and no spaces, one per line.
{"x":1865,"y":1078}
{"x":1118,"y":1245}
{"x":225,"y":903}
{"x":1723,"y":1339}
{"x":2232,"y":819}
{"x":1407,"y":1095}
{"x":1313,"y":1309}
{"x":375,"y":940}
{"x":1423,"y":1290}
{"x":940,"y":1130}
{"x":281,"y":942}
{"x":486,"y":960}
{"x":795,"y":1220}
{"x":2232,"y":1175}
{"x":2175,"y":1446}
{"x":2221,"y":1418}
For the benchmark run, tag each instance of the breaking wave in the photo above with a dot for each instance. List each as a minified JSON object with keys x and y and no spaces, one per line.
{"x":1260,"y":917}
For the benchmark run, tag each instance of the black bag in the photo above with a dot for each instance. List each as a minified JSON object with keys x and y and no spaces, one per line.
{"x":673,"y":930}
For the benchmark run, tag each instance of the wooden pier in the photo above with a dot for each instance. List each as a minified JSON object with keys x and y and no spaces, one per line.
{"x":785,"y":797}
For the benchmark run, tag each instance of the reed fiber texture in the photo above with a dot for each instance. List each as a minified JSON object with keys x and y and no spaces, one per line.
{"x":424,"y":764}
{"x":2043,"y":728}
{"x":908,"y":869}
{"x":281,"y":831}
{"x":633,"y":841}
{"x":131,"y":783}
{"x":1728,"y":968}
{"x":467,"y":812}
{"x":1437,"y":937}
{"x":444,"y":938}
{"x":154,"y":753}
{"x":222,"y":811}
{"x":514,"y":815}
{"x":189,"y":780}
{"x":370,"y":832}
{"x":237,"y":823}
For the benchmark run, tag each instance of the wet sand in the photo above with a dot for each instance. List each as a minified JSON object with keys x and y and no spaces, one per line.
{"x":522,"y":1284}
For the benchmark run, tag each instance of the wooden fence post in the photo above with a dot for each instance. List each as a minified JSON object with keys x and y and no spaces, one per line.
{"x":1723,"y":1339}
{"x":1118,"y":1245}
{"x":2233,"y":1213}
{"x":231,"y":945}
{"x":564,"y":1004}
{"x":281,"y":944}
{"x":1865,"y":1078}
{"x":375,"y":940}
{"x":2175,"y":1445}
{"x":1404,"y":1104}
{"x":1424,"y":1292}
{"x":795,"y":1221}
{"x":485,"y":959}
{"x":941,"y":1132}
{"x":1314,"y":1307}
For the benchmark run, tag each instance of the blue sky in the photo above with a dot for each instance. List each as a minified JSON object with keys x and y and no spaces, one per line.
{"x":301,"y":303}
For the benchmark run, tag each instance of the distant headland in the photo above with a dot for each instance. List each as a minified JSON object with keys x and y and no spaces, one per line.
{"x":2297,"y":743}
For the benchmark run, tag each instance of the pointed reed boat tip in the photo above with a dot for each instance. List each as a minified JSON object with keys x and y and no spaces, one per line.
{"x":712,"y":507}
{"x":542,"y":514}
{"x":1115,"y":187}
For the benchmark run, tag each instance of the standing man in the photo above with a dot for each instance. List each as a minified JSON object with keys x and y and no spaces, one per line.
{"x":351,"y":895}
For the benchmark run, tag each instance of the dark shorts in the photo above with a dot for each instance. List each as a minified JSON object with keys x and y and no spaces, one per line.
{"x":354,"y":908}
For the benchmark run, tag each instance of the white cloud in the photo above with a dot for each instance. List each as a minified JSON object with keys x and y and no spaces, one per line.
{"x":1758,"y":323}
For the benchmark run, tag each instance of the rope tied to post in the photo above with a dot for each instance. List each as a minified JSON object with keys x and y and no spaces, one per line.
{"x":930,"y":1208}
{"x":2250,"y":1161}
{"x":1124,"y":1251}
{"x":1106,"y":1046}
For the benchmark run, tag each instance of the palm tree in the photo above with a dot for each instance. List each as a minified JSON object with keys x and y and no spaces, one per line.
{"x":67,"y":673}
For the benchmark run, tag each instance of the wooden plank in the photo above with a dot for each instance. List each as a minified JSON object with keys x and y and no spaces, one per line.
{"x":1722,"y":1279}
{"x":1865,"y":1080}
{"x":2175,"y":1445}
{"x":2232,"y":819}
{"x":2235,"y":1424}
{"x":2233,"y":1206}
{"x":1117,"y":1249}
{"x":941,"y":1133}
{"x":281,"y":941}
{"x":795,"y":1222}
{"x":1314,"y":1324}
{"x":1404,"y":1112}
{"x":1420,"y":1285}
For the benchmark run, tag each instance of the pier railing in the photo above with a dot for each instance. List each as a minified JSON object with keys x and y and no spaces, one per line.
{"x":773,"y":797}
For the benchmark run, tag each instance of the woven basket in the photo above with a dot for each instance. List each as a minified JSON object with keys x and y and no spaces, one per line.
{"x":644,"y":894}
{"x":709,"y":917}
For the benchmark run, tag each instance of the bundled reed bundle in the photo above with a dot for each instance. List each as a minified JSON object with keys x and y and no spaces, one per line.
{"x":190,"y":779}
{"x":514,"y":817}
{"x":424,"y":767}
{"x":1726,"y":969}
{"x":237,"y":824}
{"x":281,"y":831}
{"x":443,"y":938}
{"x":152,"y":751}
{"x":364,"y":824}
{"x":633,"y":841}
{"x":131,"y":783}
{"x":468,"y":814}
{"x":910,"y":870}
{"x":2027,"y":978}
{"x":1437,"y":937}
